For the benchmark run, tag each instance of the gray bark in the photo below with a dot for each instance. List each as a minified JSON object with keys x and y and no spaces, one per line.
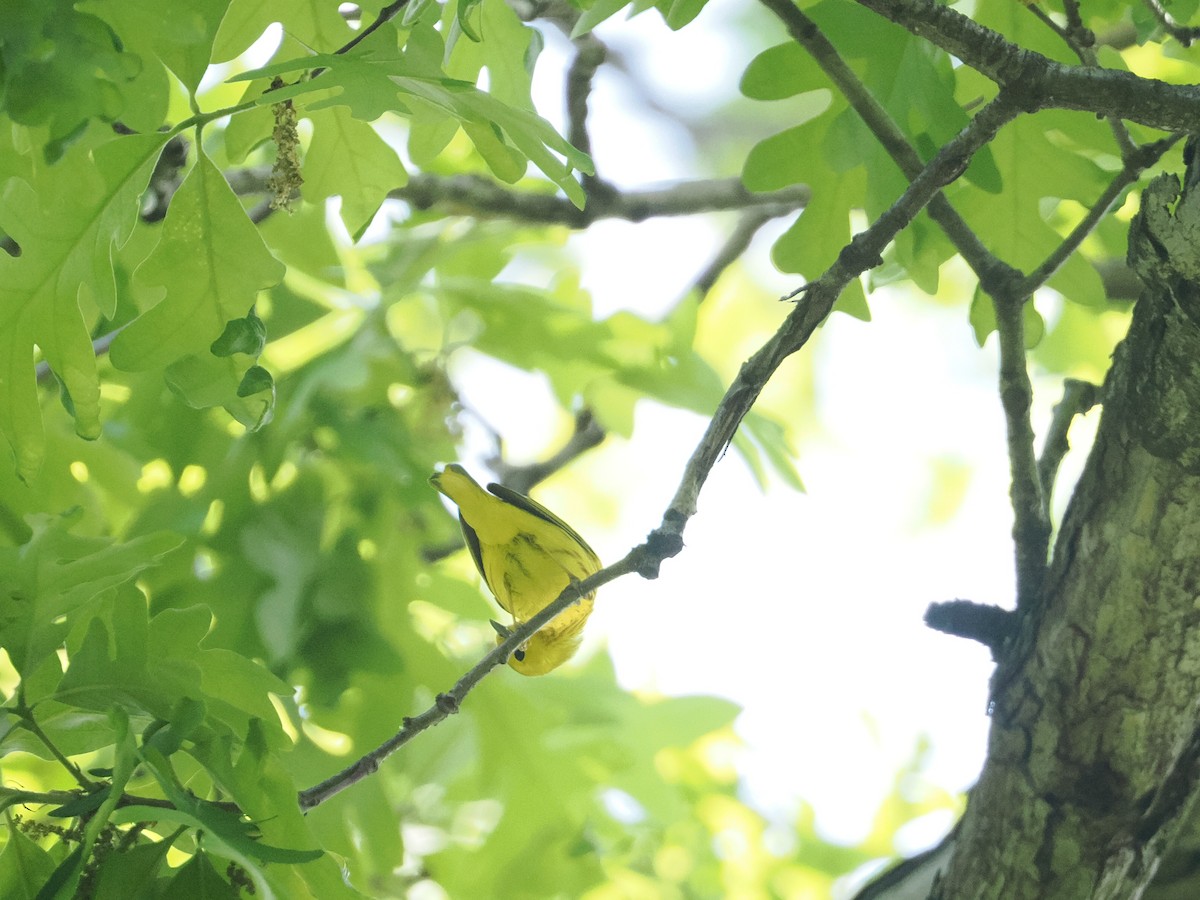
{"x":1094,"y":755}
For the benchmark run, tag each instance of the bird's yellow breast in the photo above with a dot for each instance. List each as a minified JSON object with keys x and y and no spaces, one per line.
{"x":527,"y":556}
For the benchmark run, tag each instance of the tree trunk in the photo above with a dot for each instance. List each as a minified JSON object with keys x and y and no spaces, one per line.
{"x":1094,"y":753}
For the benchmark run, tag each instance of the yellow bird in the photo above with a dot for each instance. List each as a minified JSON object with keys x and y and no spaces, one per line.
{"x":527,"y":555}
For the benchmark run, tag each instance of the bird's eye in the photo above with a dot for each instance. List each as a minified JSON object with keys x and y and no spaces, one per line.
{"x":520,"y":655}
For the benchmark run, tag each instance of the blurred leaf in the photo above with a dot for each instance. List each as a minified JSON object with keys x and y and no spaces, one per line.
{"x":62,"y":68}
{"x":197,"y":878}
{"x":132,"y":873}
{"x":679,"y":13}
{"x":782,"y":71}
{"x":24,"y":867}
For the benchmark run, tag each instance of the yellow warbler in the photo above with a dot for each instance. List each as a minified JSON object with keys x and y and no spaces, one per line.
{"x":527,"y":555}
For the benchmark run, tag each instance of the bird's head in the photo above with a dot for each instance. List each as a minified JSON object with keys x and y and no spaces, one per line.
{"x":542,"y":654}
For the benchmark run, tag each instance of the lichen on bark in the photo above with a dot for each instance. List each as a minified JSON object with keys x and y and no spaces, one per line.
{"x":1094,"y":759}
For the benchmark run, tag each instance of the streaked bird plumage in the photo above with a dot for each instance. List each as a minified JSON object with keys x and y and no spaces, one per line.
{"x":527,"y":556}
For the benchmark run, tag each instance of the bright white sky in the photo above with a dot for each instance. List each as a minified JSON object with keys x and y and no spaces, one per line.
{"x":804,"y":608}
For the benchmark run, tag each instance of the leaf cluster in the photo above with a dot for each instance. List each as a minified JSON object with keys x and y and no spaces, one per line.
{"x":232,"y":582}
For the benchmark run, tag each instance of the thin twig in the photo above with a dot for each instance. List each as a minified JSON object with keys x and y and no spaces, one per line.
{"x":884,"y":128}
{"x":1031,"y":525}
{"x":644,"y":559}
{"x":386,"y":14}
{"x":1136,"y":162}
{"x":478,"y":196}
{"x":997,"y":278}
{"x":61,"y":798}
{"x":1008,"y":288}
{"x":863,"y":252}
{"x":735,"y":245}
{"x":1078,"y":397}
{"x":24,"y":714}
{"x":588,"y":433}
{"x":1082,"y":42}
{"x":1182,"y":33}
{"x":1038,"y":82}
{"x":590,"y":54}
{"x":666,"y":541}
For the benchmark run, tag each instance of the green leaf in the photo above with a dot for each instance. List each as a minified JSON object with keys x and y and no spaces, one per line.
{"x":124,"y":761}
{"x":210,"y":274}
{"x":983,"y":320}
{"x":596,"y":13}
{"x":311,"y":23}
{"x":182,"y":33}
{"x":167,"y":737}
{"x":24,"y":867}
{"x":133,"y":873}
{"x":348,"y":158}
{"x":372,"y":84}
{"x":64,"y":878}
{"x":785,"y":159}
{"x":508,"y":50}
{"x":159,"y":671}
{"x":1011,"y":223}
{"x":51,"y":578}
{"x":678,"y":13}
{"x":62,"y":67}
{"x":81,"y":805}
{"x":197,"y":878}
{"x":238,"y":688}
{"x":256,"y":381}
{"x":247,"y":335}
{"x":204,"y":381}
{"x":982,"y":315}
{"x":462,"y":17}
{"x":782,"y":71}
{"x":814,"y":241}
{"x":67,"y":220}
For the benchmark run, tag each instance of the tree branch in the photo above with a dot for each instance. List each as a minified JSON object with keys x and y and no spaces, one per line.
{"x":1037,"y":82}
{"x":588,"y":434}
{"x":476,"y":195}
{"x":1008,"y":288}
{"x":1082,"y":40}
{"x":863,"y":252}
{"x":590,"y":54}
{"x":24,"y":714}
{"x":480,"y":196}
{"x":1182,"y":33}
{"x":735,"y":245}
{"x":1031,"y":525}
{"x":1078,"y":397}
{"x":1031,"y":533}
{"x":878,"y":121}
{"x":989,"y":625}
{"x":643,"y":559}
{"x":1136,"y":162}
{"x":666,"y":541}
{"x":385,"y":15}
